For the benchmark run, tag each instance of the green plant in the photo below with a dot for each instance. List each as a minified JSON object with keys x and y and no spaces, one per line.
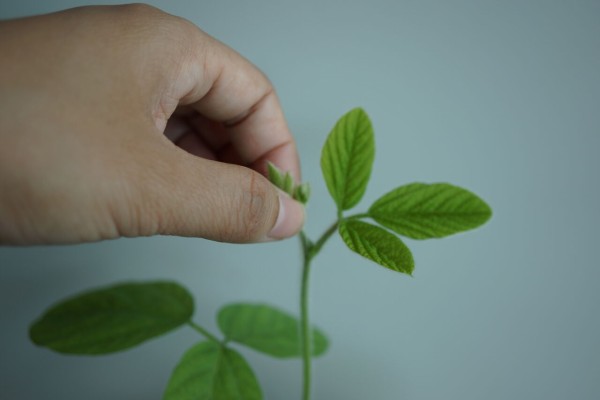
{"x":122,"y":316}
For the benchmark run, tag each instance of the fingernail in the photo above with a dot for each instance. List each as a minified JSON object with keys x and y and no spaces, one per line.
{"x":290,"y":218}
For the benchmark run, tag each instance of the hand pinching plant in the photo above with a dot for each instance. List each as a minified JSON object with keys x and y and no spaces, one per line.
{"x":120,"y":317}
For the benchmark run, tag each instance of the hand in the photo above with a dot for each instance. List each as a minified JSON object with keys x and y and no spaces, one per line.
{"x":127,"y":121}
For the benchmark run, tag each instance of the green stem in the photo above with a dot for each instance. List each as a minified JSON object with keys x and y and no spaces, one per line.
{"x":203,"y":332}
{"x":314,"y":250}
{"x":309,"y":251}
{"x":305,"y":328}
{"x":316,"y":247}
{"x":358,"y":216}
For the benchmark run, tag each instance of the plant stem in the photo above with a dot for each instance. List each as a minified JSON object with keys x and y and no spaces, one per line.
{"x":314,"y":250}
{"x":305,"y":328}
{"x":309,"y":251}
{"x":358,"y":216}
{"x":316,"y":247}
{"x":203,"y":332}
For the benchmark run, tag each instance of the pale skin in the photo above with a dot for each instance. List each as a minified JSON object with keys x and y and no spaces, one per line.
{"x":127,"y":121}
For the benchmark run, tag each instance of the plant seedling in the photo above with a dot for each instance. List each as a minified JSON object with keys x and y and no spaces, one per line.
{"x":119,"y":317}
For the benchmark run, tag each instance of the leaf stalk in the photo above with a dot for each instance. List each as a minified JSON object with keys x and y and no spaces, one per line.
{"x":204,"y":332}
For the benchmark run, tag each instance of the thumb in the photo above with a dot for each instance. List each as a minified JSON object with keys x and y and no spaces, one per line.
{"x":184,"y":195}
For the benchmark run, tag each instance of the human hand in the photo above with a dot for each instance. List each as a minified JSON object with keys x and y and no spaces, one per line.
{"x":127,"y":121}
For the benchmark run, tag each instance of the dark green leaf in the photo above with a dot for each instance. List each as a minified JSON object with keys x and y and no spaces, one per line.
{"x":347,"y":158}
{"x":377,"y":245}
{"x":114,"y":318}
{"x":266,"y":329}
{"x":423,"y":211}
{"x":209,"y":371}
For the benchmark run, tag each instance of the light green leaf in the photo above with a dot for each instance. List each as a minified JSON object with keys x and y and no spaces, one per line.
{"x":423,"y":211}
{"x":302,"y":193}
{"x":266,"y":329}
{"x":288,"y":184}
{"x":275,"y":175}
{"x":377,"y":245}
{"x":285,"y":182}
{"x":347,"y":158}
{"x":209,"y":371}
{"x":113,"y":318}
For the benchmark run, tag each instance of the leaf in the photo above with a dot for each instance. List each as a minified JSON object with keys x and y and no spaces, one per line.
{"x":275,"y":175}
{"x":209,"y":371}
{"x":347,"y":158}
{"x":285,"y":182}
{"x":113,"y":318}
{"x":302,"y":193}
{"x":266,"y":329}
{"x":288,"y":184}
{"x":423,"y":211}
{"x":377,"y":245}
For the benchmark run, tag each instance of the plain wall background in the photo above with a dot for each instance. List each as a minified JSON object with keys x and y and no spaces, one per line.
{"x":501,"y":97}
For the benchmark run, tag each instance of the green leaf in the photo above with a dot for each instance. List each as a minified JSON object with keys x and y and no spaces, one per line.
{"x":377,"y":245}
{"x":347,"y":158}
{"x":285,"y":182}
{"x":288,"y":184}
{"x":275,"y":175}
{"x":302,"y":193}
{"x":266,"y":329}
{"x":209,"y":371}
{"x":423,"y":211}
{"x":113,"y":318}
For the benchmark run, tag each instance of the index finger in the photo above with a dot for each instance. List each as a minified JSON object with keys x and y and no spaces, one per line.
{"x":225,"y":87}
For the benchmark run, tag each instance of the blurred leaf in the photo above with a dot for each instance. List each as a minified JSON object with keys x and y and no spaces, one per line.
{"x":302,"y":193}
{"x":347,"y":158}
{"x":377,"y":245}
{"x":209,"y":371}
{"x":288,"y":184}
{"x":285,"y":182}
{"x":275,"y":175}
{"x":266,"y":329}
{"x":112,"y":319}
{"x":423,"y":211}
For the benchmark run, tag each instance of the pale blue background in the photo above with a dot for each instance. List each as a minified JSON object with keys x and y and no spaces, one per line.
{"x":501,"y":97}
